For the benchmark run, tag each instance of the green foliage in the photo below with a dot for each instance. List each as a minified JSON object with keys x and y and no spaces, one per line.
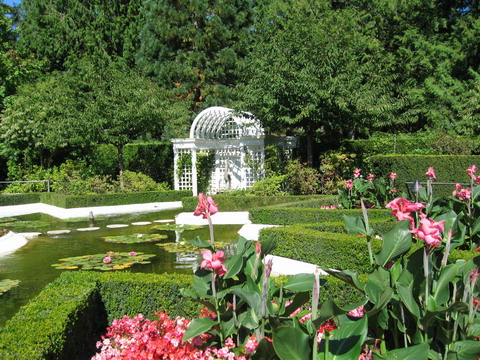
{"x":327,"y":250}
{"x":70,"y":314}
{"x":138,"y":182}
{"x":246,"y":203}
{"x":270,"y":186}
{"x":135,"y":238}
{"x":335,"y":166}
{"x":205,"y":165}
{"x":208,"y":37}
{"x":301,"y":180}
{"x":379,"y":226}
{"x":105,"y":262}
{"x":448,"y":168}
{"x":19,"y":199}
{"x":154,"y":159}
{"x":289,"y":216}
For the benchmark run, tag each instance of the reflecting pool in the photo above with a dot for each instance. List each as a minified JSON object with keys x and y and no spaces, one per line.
{"x":31,"y":264}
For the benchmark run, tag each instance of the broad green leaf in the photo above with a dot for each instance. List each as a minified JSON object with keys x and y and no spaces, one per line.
{"x":291,"y":343}
{"x":329,"y":309}
{"x":442,"y":289}
{"x":298,"y":301}
{"x":198,"y":327}
{"x":201,"y":285}
{"x":241,"y":245}
{"x":474,"y":329}
{"x":395,"y":243}
{"x":346,"y":341}
{"x":455,"y":307}
{"x":248,"y":319}
{"x":408,"y":300}
{"x":475,"y":193}
{"x":354,"y":225}
{"x":377,"y":281}
{"x":200,"y":243}
{"x":268,"y":245}
{"x":300,"y":282}
{"x":234,"y":266}
{"x":347,"y":276}
{"x":252,"y":298}
{"x":466,"y":349}
{"x":475,"y":227}
{"x":416,"y":352}
{"x":383,"y":299}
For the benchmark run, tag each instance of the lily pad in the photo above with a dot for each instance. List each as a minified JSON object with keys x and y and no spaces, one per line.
{"x":8,"y":219}
{"x":177,"y":227}
{"x":135,"y":238}
{"x":105,"y":262}
{"x":7,"y":284}
{"x":24,"y":224}
{"x":185,"y":246}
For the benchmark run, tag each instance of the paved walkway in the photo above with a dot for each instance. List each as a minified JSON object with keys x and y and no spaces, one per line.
{"x":61,"y":213}
{"x":220,"y":218}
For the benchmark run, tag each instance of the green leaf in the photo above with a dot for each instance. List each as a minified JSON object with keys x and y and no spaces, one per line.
{"x":416,"y":352}
{"x":395,"y":243}
{"x":474,"y":329}
{"x":252,"y":298}
{"x":329,"y":309}
{"x":268,"y":245}
{"x":300,"y":282}
{"x":442,"y":289}
{"x":346,"y":341}
{"x":383,"y":299}
{"x":234,"y":266}
{"x":354,"y":225}
{"x":408,"y":300}
{"x":466,"y":349}
{"x":201,"y":285}
{"x":291,"y":343}
{"x":200,"y":243}
{"x":198,"y":327}
{"x":298,"y":301}
{"x":347,"y":276}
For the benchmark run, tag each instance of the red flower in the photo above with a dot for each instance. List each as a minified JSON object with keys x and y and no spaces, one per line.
{"x":206,"y":206}
{"x":214,"y":261}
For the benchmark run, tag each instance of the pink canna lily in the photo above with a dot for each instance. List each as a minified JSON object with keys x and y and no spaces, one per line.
{"x":206,"y":206}
{"x":471,"y":171}
{"x":430,"y":231}
{"x":357,"y":173}
{"x":214,"y":261}
{"x":348,"y":184}
{"x":431,"y":173}
{"x":393,"y":175}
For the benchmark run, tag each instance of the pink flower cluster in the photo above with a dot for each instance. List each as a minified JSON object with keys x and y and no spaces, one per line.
{"x":461,"y":193}
{"x":357,"y":173}
{"x":349,"y":184}
{"x":471,"y":172}
{"x":402,"y":209}
{"x":138,"y":338}
{"x":214,"y":261}
{"x":328,"y":207}
{"x":431,"y":173}
{"x":206,"y":206}
{"x":430,"y":231}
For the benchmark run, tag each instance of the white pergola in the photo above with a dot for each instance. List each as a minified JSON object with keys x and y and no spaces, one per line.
{"x":237,"y":141}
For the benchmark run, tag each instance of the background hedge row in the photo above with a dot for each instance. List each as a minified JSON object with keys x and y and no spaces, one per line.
{"x":297,"y":215}
{"x":246,"y":203}
{"x":448,"y":168}
{"x":75,"y":201}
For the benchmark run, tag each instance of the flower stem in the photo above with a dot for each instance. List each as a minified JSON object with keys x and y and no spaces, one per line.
{"x":214,"y":293}
{"x":426,"y":257}
{"x":367,"y":229}
{"x":210,"y":226}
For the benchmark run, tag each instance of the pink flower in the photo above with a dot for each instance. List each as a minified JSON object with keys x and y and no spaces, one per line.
{"x":402,"y":208}
{"x":214,"y":261}
{"x":357,"y":173}
{"x":471,"y":171}
{"x":107,"y":259}
{"x":132,"y":253}
{"x":371,"y":177}
{"x":358,"y":312}
{"x":431,"y":173}
{"x":348,"y":184}
{"x":393,"y":175}
{"x":251,"y":345}
{"x":430,"y":231}
{"x":462,"y":194}
{"x":206,"y":206}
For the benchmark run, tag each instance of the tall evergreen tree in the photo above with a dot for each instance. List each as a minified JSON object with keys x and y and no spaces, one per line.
{"x":62,"y":31}
{"x":194,"y":46}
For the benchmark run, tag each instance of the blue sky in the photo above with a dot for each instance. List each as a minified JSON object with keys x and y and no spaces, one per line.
{"x":12,"y":2}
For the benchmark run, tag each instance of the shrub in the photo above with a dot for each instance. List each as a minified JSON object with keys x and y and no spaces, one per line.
{"x":154,"y":159}
{"x":290,"y":216}
{"x":246,"y":203}
{"x":301,"y":180}
{"x":270,"y":186}
{"x":138,"y":182}
{"x":18,"y":199}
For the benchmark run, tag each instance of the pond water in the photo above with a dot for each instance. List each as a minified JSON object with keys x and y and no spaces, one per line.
{"x":31,"y":264}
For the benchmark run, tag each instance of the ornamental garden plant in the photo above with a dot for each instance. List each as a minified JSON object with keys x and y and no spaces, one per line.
{"x":416,"y":303}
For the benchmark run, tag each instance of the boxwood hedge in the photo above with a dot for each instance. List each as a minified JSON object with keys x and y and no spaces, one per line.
{"x":246,"y":203}
{"x":19,"y":199}
{"x":282,"y":215}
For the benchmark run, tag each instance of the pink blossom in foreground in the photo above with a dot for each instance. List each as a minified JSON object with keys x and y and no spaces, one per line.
{"x":430,"y":231}
{"x":357,"y":173}
{"x":393,"y":175}
{"x":358,"y":312}
{"x":206,"y":206}
{"x":251,"y":345}
{"x":431,"y":173}
{"x":348,"y":184}
{"x":402,"y":209}
{"x":371,"y":177}
{"x":471,"y":171}
{"x":107,"y":260}
{"x":328,"y":207}
{"x":214,"y":261}
{"x":462,"y":194}
{"x":132,"y":253}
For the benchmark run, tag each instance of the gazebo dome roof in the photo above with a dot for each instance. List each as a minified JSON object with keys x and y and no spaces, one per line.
{"x":223,"y":123}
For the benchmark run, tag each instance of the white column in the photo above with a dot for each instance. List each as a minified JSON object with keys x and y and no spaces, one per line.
{"x":243,"y":170}
{"x":176,"y":182}
{"x":194,"y":173}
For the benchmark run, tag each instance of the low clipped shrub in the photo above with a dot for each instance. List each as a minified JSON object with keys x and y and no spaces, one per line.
{"x":281,"y":215}
{"x":327,"y":250}
{"x":246,"y":203}
{"x":380,"y":226}
{"x":19,"y":199}
{"x":67,"y":318}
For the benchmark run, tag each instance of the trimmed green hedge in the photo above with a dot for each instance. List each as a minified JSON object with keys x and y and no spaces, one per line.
{"x":67,"y":318}
{"x":448,"y":168}
{"x":291,"y":216}
{"x":246,"y":203}
{"x":327,"y":250}
{"x":74,"y":201}
{"x":379,"y":225}
{"x":19,"y":199}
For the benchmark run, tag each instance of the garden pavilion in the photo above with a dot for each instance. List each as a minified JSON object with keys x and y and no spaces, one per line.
{"x":225,"y":147}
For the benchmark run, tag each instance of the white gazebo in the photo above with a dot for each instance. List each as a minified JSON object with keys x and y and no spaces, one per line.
{"x":233,"y":142}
